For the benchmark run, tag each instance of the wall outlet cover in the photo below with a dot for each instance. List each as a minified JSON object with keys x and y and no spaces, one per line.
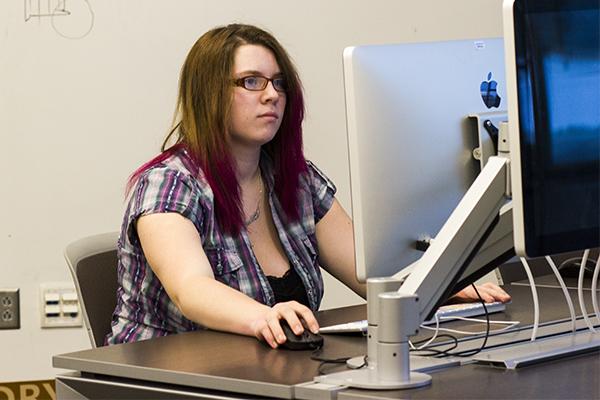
{"x":10,"y":316}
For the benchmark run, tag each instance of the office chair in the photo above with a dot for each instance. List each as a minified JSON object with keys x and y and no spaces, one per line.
{"x":93,"y":264}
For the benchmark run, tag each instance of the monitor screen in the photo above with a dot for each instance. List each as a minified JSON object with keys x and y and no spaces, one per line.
{"x":411,"y":142}
{"x":553,"y":62}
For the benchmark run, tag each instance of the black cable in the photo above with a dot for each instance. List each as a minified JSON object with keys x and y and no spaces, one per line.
{"x":470,"y":353}
{"x":452,"y":286}
{"x":436,"y":352}
{"x":364,"y":364}
{"x":315,"y":356}
{"x":429,"y":338}
{"x":466,"y":353}
{"x":432,"y":352}
{"x":492,"y":132}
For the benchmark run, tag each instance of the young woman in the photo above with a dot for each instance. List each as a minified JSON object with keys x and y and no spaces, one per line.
{"x":227,"y":228}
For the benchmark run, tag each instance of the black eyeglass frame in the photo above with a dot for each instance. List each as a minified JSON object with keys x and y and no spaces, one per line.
{"x":241,"y":82}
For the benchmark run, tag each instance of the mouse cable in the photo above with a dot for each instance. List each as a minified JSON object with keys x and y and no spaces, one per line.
{"x":565,"y":291}
{"x":536,"y":303}
{"x":316,"y":356}
{"x":364,"y":364}
{"x":589,"y":324}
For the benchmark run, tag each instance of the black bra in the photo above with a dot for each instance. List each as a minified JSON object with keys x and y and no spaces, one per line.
{"x":289,"y":287}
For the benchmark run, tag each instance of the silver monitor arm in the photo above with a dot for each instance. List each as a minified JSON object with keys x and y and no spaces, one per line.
{"x":398,"y":314}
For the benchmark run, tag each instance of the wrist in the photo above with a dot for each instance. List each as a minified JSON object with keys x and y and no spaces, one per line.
{"x":256,"y":319}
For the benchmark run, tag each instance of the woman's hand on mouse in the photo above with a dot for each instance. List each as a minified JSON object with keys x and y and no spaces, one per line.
{"x":267,"y":327}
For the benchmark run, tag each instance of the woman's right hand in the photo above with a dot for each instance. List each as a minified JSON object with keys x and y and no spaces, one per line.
{"x":267,"y":327}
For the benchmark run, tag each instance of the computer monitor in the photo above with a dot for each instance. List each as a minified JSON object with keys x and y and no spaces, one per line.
{"x":553,"y":79}
{"x":411,"y":142}
{"x":394,"y":316}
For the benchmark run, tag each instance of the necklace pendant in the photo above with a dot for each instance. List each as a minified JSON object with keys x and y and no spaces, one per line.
{"x":256,"y":214}
{"x":253,"y":217}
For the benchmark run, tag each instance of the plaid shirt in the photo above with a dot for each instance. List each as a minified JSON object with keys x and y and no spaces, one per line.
{"x":144,"y":309}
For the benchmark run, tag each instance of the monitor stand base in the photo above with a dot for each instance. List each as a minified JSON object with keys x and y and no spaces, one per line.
{"x":548,"y":348}
{"x":368,"y":378}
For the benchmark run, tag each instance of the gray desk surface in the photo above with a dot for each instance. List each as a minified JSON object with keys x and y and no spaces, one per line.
{"x":216,"y":360}
{"x":237,"y":364}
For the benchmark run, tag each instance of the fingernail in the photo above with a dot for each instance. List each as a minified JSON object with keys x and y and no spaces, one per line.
{"x":281,"y":338}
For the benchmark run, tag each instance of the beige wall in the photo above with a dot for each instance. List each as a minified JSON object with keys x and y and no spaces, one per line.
{"x":77,"y":116}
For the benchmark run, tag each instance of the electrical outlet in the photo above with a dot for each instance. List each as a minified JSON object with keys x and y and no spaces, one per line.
{"x":10,"y":317}
{"x":59,"y":305}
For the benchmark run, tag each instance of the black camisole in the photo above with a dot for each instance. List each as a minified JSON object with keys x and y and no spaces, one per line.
{"x":289,"y":287}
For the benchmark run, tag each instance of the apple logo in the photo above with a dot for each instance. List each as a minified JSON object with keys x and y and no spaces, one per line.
{"x":489,"y":92}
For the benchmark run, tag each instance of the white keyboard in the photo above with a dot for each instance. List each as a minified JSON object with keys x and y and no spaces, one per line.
{"x":465,"y":310}
{"x":444,"y":313}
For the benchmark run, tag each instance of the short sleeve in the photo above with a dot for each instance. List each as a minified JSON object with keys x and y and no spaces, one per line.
{"x":322,"y":191}
{"x":163,"y":189}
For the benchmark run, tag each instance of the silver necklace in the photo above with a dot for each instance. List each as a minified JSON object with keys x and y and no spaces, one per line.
{"x":256,"y":214}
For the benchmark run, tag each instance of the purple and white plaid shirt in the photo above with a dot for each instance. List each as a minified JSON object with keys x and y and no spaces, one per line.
{"x":144,"y":309}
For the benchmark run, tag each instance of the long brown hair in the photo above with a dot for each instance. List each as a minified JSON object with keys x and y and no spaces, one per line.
{"x":203,"y":114}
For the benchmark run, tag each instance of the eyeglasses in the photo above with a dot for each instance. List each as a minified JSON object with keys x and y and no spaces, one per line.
{"x":257,"y":83}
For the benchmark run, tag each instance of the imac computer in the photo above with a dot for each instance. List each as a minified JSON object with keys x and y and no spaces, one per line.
{"x":552,"y":79}
{"x":411,"y":142}
{"x":415,"y":118}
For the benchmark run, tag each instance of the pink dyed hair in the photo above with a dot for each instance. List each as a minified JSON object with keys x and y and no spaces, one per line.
{"x":203,"y":111}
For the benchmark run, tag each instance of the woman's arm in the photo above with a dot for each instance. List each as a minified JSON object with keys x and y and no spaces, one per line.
{"x":173,"y":249}
{"x":335,"y":240}
{"x":336,"y":252}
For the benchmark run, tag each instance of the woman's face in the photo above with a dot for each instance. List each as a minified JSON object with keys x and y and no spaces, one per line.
{"x":255,"y":115}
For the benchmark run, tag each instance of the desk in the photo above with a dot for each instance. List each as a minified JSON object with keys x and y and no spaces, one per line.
{"x":551,"y":282}
{"x":215,"y":365}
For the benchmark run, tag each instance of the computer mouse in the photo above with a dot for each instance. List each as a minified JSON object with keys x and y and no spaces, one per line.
{"x":305,"y":341}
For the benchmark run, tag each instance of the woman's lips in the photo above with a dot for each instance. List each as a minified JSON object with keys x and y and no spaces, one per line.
{"x":269,"y":115}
